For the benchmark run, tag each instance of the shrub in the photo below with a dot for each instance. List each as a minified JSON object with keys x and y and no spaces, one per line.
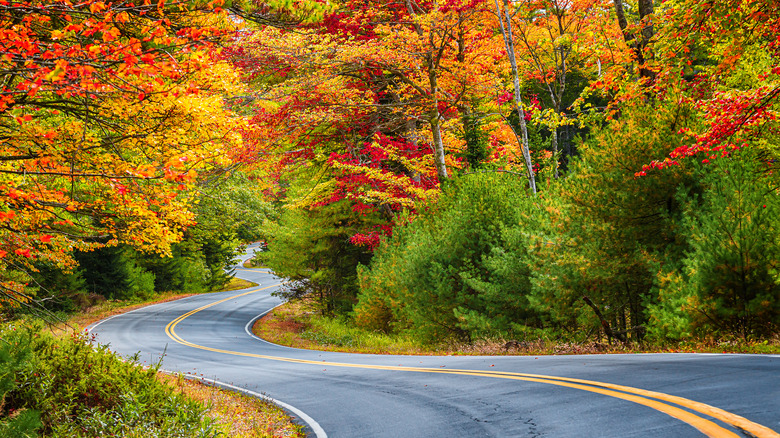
{"x":82,"y":390}
{"x":15,"y":356}
{"x":447,"y":274}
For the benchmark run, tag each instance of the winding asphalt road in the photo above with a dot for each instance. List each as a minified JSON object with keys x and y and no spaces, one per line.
{"x":357,"y":395}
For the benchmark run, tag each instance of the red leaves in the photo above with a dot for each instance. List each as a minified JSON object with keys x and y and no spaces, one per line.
{"x":372,"y":238}
{"x":23,"y":252}
{"x":460,"y":5}
{"x":24,"y":118}
{"x":732,"y":117}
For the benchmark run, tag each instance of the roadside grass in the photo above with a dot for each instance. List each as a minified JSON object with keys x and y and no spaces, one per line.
{"x":236,"y":415}
{"x":237,"y":283}
{"x":254,"y":262}
{"x":293,"y":324}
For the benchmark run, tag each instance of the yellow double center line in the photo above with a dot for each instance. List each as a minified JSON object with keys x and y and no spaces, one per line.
{"x":650,"y":399}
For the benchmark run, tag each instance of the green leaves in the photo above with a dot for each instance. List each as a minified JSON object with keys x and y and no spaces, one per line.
{"x":83,"y":390}
{"x":453,"y":272}
{"x":312,"y":248}
{"x":728,"y":282}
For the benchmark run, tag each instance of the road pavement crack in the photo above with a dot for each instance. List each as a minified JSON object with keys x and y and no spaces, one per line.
{"x":532,"y":428}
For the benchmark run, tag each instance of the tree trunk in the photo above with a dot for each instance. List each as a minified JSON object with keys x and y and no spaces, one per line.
{"x":435,"y":122}
{"x":505,"y":19}
{"x":554,"y":147}
{"x":622,"y":21}
{"x":638,"y":45}
{"x":438,"y":145}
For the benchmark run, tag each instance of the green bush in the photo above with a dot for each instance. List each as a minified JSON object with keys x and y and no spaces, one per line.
{"x":15,"y":356}
{"x":728,"y":282}
{"x":82,"y":390}
{"x":452,"y":272}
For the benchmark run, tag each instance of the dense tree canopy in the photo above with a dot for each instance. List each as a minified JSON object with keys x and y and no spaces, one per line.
{"x":454,"y":168}
{"x":111,"y":115}
{"x":380,"y":105}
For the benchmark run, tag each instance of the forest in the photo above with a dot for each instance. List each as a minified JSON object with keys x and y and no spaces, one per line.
{"x":460,"y":169}
{"x":562,"y":169}
{"x":449,"y":170}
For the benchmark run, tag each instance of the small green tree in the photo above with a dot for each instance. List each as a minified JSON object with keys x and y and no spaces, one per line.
{"x":114,"y":272}
{"x":184,"y":270}
{"x":312,"y":248}
{"x":728,"y":282}
{"x":450,"y":273}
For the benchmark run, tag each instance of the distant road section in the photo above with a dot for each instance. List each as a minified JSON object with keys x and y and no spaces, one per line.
{"x":344,"y":395}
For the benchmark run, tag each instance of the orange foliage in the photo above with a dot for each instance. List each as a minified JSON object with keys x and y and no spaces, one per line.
{"x":109,"y":114}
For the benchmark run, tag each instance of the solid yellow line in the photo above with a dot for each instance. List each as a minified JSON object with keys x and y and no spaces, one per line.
{"x":628,"y":393}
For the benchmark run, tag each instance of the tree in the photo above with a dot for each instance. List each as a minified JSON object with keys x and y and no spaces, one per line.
{"x":727,"y":283}
{"x":505,"y":15}
{"x":366,"y":111}
{"x":447,"y":275}
{"x":722,"y":57}
{"x":638,"y":35}
{"x":109,"y":113}
{"x":610,"y":229}
{"x":559,"y":38}
{"x":312,"y":249}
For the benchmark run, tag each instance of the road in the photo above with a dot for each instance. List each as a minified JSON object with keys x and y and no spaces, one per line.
{"x":358,"y":395}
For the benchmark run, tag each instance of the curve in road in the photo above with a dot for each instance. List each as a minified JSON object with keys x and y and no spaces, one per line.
{"x":362,"y":395}
{"x":639,"y":396}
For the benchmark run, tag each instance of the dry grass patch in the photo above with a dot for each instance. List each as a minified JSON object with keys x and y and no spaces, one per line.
{"x":237,"y":283}
{"x":239,"y":415}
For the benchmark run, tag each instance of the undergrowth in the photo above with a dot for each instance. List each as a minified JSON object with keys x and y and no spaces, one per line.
{"x":77,"y":388}
{"x":239,"y":415}
{"x":293,"y":325}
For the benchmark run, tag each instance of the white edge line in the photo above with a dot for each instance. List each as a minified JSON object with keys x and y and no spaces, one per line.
{"x":248,"y":330}
{"x":319,"y":432}
{"x":94,"y":326}
{"x":248,"y":326}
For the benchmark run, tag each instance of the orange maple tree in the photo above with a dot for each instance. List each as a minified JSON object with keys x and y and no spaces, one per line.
{"x":109,"y":115}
